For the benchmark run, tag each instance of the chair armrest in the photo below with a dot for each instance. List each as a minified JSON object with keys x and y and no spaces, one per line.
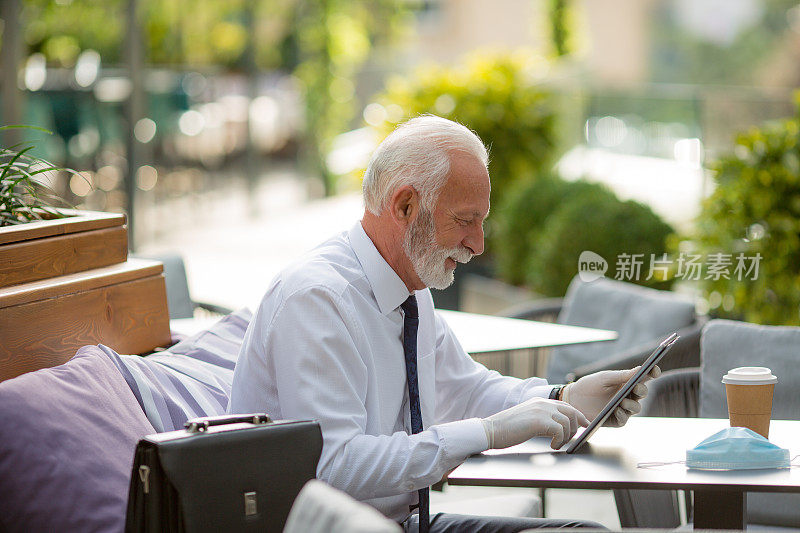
{"x":685,"y":353}
{"x":675,"y":393}
{"x":544,"y":309}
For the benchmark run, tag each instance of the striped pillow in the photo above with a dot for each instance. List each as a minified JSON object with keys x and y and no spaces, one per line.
{"x":191,"y":379}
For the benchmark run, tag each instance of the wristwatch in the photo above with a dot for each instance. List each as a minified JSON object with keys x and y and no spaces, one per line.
{"x":555,"y":392}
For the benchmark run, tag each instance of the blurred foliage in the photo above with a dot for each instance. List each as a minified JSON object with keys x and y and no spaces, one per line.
{"x":681,"y":56}
{"x":755,"y":208}
{"x":559,"y":31}
{"x":333,"y":40}
{"x":498,"y":96}
{"x":545,"y":225}
{"x":521,"y":216}
{"x":179,"y":32}
{"x":200,"y":32}
{"x":61,"y":30}
{"x":324,"y":43}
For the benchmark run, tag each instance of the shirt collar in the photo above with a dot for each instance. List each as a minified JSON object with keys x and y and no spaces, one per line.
{"x":388,"y":288}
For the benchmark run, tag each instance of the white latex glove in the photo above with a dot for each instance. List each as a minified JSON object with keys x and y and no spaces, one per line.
{"x":536,"y":417}
{"x":591,"y":393}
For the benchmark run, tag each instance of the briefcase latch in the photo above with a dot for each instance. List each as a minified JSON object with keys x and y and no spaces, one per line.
{"x":144,"y":477}
{"x":250,"y":508}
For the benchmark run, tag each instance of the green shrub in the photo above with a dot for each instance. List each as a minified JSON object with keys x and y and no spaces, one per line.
{"x":496,"y":95}
{"x":597,"y":221}
{"x":755,"y":208}
{"x":522,"y":214}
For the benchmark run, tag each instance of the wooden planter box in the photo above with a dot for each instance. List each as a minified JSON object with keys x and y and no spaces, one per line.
{"x":49,"y":248}
{"x":65,"y":283}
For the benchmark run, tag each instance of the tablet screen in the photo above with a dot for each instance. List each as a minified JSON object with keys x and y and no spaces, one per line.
{"x":623,"y":393}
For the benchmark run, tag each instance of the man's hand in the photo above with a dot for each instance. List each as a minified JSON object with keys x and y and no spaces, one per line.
{"x":591,"y":393}
{"x":536,"y":417}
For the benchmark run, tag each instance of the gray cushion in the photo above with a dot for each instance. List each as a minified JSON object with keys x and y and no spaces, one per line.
{"x":639,"y":314}
{"x":727,"y":344}
{"x":66,"y":451}
{"x":191,"y":379}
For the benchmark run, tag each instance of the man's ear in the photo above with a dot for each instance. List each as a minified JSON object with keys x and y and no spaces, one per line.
{"x":404,"y":205}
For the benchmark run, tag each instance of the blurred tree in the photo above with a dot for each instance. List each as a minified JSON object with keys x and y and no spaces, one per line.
{"x":559,"y":30}
{"x":332,"y":40}
{"x":499,"y":96}
{"x":523,"y":213}
{"x":755,"y":209}
{"x":598,"y":221}
{"x":325,"y":43}
{"x":61,"y":30}
{"x":543,"y":225}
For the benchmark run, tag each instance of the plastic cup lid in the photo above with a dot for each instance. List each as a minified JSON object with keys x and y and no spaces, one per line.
{"x":750,"y":375}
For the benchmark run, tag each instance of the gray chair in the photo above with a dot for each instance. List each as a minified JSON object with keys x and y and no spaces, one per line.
{"x":674,"y":394}
{"x":642,"y":316}
{"x":727,"y":344}
{"x":179,"y":301}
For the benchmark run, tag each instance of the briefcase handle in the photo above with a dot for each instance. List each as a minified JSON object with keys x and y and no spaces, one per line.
{"x":199,"y":425}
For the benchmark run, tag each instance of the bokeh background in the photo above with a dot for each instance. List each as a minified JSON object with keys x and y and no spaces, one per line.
{"x":654,"y":127}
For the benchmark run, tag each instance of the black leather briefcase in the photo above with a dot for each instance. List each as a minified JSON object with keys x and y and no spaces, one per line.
{"x":228,"y":473}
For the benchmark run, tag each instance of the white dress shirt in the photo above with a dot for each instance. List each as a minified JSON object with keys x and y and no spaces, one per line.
{"x":326,"y":344}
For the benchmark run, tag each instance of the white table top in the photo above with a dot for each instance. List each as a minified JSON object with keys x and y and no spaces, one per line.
{"x":613,"y":456}
{"x":477,"y":333}
{"x":486,"y":333}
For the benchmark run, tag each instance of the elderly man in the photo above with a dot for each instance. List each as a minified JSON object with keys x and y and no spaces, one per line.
{"x":348,"y":335}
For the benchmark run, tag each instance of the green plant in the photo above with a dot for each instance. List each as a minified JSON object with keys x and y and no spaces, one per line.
{"x":24,"y":197}
{"x":559,"y":27}
{"x":521,"y":215}
{"x":755,"y":209}
{"x":495,"y":94}
{"x":333,"y":40}
{"x":593,"y":219}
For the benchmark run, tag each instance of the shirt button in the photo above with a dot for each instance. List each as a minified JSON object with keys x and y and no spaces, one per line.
{"x":409,"y":486}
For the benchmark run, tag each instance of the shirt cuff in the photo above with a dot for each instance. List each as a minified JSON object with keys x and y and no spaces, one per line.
{"x":462,"y":438}
{"x":534,"y":388}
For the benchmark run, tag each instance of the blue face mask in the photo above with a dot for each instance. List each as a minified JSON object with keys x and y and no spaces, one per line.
{"x":736,"y":449}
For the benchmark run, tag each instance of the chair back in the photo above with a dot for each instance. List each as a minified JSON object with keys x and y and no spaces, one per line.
{"x":179,"y":301}
{"x":639,"y":314}
{"x":727,"y":344}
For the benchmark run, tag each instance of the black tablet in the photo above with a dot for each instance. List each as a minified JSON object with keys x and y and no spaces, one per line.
{"x":623,"y":393}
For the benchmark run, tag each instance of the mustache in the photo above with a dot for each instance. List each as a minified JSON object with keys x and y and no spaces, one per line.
{"x":459,"y":254}
{"x":462,"y":255}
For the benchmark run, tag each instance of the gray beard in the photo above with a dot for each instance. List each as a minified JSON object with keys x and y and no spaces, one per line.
{"x":427,"y":257}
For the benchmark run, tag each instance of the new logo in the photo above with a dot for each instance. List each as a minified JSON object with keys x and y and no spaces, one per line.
{"x":591,"y":266}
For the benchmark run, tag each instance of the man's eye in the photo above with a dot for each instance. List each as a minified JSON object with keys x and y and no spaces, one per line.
{"x":462,"y":222}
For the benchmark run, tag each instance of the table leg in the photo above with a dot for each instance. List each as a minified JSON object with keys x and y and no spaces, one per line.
{"x":720,"y":509}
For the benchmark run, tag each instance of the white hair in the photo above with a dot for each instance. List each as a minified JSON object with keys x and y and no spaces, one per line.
{"x":417,"y":153}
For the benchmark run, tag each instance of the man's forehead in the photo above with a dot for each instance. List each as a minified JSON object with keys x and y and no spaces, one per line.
{"x":464,"y":199}
{"x":467,"y":176}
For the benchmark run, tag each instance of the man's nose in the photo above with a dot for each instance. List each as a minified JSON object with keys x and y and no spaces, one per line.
{"x":474,"y":240}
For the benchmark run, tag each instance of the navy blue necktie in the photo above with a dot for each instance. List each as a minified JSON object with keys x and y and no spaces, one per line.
{"x":410,"y":325}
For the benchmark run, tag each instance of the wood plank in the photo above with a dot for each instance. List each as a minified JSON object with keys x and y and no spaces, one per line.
{"x":36,"y":259}
{"x":76,"y":221}
{"x":130,"y":317}
{"x":79,"y":281}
